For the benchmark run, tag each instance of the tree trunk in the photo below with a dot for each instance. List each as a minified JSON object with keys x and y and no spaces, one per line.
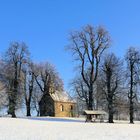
{"x":12,"y":105}
{"x":90,"y":105}
{"x":13,"y":96}
{"x":11,"y":109}
{"x":110,"y":108}
{"x":28,"y":107}
{"x":110,"y":97}
{"x":131,"y":111}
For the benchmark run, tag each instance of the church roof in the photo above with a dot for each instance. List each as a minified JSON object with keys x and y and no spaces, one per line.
{"x":62,"y":96}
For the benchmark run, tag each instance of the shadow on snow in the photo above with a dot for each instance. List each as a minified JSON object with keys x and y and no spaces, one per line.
{"x":54,"y":119}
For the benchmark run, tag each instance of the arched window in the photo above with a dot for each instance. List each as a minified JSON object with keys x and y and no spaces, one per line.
{"x":71,"y":107}
{"x":61,"y":108}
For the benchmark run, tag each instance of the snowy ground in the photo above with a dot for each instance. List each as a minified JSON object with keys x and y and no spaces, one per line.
{"x":65,"y":129}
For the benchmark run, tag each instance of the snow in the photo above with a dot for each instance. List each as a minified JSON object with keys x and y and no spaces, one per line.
{"x":47,"y":128}
{"x":61,"y":96}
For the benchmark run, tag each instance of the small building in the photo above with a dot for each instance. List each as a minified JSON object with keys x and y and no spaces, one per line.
{"x":58,"y":104}
{"x":92,"y":115}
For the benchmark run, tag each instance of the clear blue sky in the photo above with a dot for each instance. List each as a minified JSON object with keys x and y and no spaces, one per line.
{"x":44,"y":26}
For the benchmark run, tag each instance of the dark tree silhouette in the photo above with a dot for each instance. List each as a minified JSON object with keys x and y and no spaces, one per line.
{"x":87,"y":47}
{"x":133,"y":64}
{"x":14,"y":59}
{"x":111,"y":78}
{"x":29,"y":84}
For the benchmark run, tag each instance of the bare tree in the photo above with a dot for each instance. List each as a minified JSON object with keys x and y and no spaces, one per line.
{"x":133,"y":64}
{"x":111,"y":78}
{"x":29,"y":83}
{"x":48,"y":81}
{"x":15,"y":57}
{"x":87,"y":47}
{"x":80,"y":88}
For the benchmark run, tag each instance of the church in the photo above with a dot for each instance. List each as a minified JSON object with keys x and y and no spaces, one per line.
{"x":59,"y":104}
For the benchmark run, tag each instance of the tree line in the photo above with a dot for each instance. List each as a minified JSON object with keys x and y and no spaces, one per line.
{"x":104,"y":80}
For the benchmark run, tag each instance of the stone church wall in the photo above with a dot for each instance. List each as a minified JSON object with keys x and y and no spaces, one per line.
{"x":64,"y":109}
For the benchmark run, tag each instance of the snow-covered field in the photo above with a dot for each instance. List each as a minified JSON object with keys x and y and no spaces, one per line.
{"x":65,"y":129}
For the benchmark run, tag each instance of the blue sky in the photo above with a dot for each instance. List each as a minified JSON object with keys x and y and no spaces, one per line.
{"x":44,"y":25}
